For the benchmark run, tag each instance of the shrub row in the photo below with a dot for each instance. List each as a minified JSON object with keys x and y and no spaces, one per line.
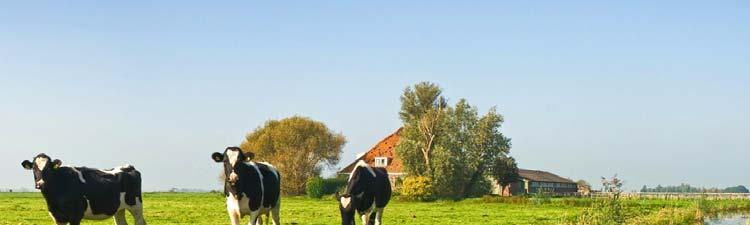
{"x":317,"y":187}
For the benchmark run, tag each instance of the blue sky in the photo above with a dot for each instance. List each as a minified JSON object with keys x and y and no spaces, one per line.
{"x":654,"y":91}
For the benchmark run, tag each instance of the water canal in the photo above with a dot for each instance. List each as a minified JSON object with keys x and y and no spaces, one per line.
{"x":729,"y":219}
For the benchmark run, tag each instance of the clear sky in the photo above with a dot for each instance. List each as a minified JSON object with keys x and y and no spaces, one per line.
{"x":656,"y":91}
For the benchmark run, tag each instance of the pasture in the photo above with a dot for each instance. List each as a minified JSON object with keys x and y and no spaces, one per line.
{"x":209,"y":208}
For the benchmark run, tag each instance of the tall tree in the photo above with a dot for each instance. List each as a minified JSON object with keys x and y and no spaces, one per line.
{"x":453,"y":146}
{"x":299,"y":147}
{"x":477,"y":143}
{"x":423,"y":111}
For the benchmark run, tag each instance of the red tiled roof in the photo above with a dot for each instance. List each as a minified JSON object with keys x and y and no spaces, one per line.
{"x":384,"y":148}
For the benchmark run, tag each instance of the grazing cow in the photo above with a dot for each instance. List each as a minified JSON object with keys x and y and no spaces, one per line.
{"x":368,"y":191}
{"x":76,"y":193}
{"x":251,"y":188}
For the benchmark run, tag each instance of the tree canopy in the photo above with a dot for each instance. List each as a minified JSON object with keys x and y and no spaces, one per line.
{"x":298,"y":146}
{"x":452,"y":145}
{"x":505,"y":171}
{"x":584,"y":186}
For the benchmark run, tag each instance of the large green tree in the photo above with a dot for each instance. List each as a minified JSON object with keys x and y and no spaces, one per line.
{"x":298,"y":146}
{"x":452,"y":145}
{"x":424,"y":112}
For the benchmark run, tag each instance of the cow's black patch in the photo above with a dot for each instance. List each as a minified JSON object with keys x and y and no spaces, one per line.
{"x":271,"y":185}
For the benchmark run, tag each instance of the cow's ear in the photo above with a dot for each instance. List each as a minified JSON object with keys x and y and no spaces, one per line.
{"x":56,"y":164}
{"x":27,"y":164}
{"x":338,"y":196}
{"x":218,"y":157}
{"x":249,"y":156}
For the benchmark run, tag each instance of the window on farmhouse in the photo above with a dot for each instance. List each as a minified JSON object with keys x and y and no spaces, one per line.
{"x":381,"y":161}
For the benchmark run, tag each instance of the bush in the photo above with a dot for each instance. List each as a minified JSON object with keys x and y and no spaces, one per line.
{"x":541,"y":197}
{"x":317,"y":187}
{"x":332,"y":185}
{"x":397,"y":184}
{"x":314,"y":187}
{"x":417,"y":188}
{"x":608,"y":211}
{"x":481,"y":188}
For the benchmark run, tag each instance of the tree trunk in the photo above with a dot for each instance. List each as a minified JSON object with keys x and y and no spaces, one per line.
{"x":426,"y":154}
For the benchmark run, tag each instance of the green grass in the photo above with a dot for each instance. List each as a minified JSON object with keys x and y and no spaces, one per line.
{"x":209,"y":208}
{"x":206,"y":208}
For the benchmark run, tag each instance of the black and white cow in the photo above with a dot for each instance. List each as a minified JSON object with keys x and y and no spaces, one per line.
{"x":251,"y":188}
{"x":76,"y":193}
{"x":367,"y":192}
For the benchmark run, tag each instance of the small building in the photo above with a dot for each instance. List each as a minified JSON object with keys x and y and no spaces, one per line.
{"x":535,"y":181}
{"x":383,"y":154}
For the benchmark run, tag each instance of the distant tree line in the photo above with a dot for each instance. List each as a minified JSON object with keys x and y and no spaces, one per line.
{"x":686,"y":188}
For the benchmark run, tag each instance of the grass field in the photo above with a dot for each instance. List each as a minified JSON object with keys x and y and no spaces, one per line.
{"x":209,"y":208}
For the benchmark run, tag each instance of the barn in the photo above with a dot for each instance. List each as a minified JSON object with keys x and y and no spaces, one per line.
{"x":535,"y":181}
{"x":382,"y":154}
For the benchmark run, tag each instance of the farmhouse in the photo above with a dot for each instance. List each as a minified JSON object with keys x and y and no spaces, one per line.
{"x":534,"y":181}
{"x":383,"y":154}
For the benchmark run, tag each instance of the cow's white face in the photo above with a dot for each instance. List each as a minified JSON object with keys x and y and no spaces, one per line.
{"x":345,"y":201}
{"x":41,"y":162}
{"x":41,"y":165}
{"x":346,"y":208}
{"x":233,"y":156}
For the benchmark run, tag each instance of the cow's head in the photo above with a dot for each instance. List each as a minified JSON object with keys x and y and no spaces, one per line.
{"x":43,"y":167}
{"x":232,"y":158}
{"x":346,"y":207}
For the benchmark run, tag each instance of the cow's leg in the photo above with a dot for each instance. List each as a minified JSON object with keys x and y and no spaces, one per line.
{"x":137,"y":212}
{"x":254,"y":215}
{"x":259,"y":221}
{"x":55,"y":220}
{"x":233,"y":209}
{"x":275,"y":214}
{"x":365,"y":218}
{"x":379,"y":216}
{"x":234,"y":217}
{"x":120,"y":218}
